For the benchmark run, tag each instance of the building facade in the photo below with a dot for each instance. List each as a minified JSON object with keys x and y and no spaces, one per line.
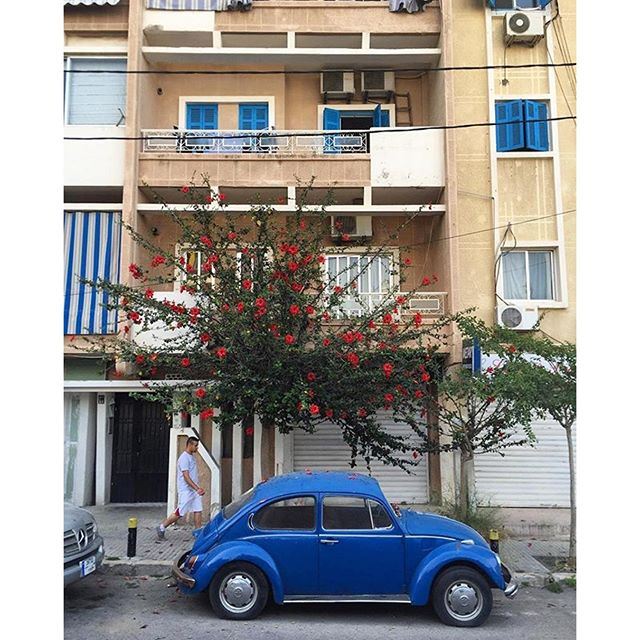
{"x":351,"y":69}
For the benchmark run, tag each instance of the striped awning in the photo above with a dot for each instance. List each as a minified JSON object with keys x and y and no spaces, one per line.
{"x":199,"y":5}
{"x":88,"y":2}
{"x":91,"y":251}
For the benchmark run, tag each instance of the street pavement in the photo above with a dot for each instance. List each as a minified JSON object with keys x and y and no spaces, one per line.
{"x":105,"y":606}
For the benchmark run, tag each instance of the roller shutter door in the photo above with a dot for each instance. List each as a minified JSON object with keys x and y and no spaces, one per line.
{"x":526,"y":476}
{"x":325,"y":450}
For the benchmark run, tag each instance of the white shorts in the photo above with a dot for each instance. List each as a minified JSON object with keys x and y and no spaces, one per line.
{"x":187,"y":502}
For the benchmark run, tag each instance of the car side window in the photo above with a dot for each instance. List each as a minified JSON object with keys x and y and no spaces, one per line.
{"x":345,"y":512}
{"x":379,"y":516}
{"x":297,"y":513}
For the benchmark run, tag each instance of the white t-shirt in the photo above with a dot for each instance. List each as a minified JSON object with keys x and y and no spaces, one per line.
{"x":187,"y":462}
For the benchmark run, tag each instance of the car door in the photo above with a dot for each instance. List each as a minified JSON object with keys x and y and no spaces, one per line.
{"x":361,"y":548}
{"x":286,"y":530}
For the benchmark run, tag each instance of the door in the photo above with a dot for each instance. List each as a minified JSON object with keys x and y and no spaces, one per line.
{"x":201,"y":116}
{"x":360,"y":548}
{"x":140,"y":466}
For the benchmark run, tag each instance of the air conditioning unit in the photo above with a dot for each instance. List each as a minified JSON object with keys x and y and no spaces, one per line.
{"x":521,"y":317}
{"x":354,"y":226}
{"x":337,"y":83}
{"x":378,"y":82}
{"x":523,"y":27}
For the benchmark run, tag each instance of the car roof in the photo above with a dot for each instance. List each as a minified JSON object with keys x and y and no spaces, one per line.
{"x":314,"y":481}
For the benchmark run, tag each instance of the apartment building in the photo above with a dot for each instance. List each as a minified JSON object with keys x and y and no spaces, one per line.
{"x":284,"y":70}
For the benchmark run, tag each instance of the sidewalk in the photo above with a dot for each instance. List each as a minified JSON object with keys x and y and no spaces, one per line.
{"x":155,"y":557}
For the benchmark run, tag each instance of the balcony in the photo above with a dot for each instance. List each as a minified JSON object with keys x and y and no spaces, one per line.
{"x":403,"y":157}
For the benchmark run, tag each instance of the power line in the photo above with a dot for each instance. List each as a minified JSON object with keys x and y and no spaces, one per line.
{"x":216,"y":72}
{"x":203,"y":133}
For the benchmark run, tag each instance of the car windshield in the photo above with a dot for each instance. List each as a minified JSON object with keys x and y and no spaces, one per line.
{"x":232,"y":508}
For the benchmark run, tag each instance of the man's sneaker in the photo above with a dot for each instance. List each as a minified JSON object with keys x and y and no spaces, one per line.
{"x":160,"y":532}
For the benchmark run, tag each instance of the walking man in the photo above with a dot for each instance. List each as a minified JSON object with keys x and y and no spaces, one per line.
{"x":189,"y":491}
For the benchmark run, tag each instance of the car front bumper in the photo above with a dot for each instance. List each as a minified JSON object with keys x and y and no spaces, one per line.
{"x":72,"y":568}
{"x":182,"y":578}
{"x":512,"y":587}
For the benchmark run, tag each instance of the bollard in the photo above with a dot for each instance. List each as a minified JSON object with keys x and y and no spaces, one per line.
{"x":132,"y":537}
{"x":494,"y":540}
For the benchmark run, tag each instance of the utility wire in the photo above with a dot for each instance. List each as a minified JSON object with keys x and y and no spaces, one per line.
{"x":218,"y":72}
{"x":203,"y":133}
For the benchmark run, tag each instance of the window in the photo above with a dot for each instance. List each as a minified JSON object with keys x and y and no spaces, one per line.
{"x":231,"y":509}
{"x":528,"y":275}
{"x":379,"y":516}
{"x":372,"y":277}
{"x":297,"y":513}
{"x":521,"y":125}
{"x":351,"y":512}
{"x":199,"y":274}
{"x":92,"y":96}
{"x":510,"y":5}
{"x":351,"y":121}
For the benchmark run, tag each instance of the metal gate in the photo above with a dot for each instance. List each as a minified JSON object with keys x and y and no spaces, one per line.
{"x":140,"y":451}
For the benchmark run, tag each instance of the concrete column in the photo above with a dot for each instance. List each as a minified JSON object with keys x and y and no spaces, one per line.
{"x":217,"y":40}
{"x":366,"y":40}
{"x":448,"y":467}
{"x":104,"y":448}
{"x":291,"y":39}
{"x":177,"y":427}
{"x":257,"y":450}
{"x":279,"y":453}
{"x":236,"y":461}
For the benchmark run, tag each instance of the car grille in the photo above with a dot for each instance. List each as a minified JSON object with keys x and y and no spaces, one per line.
{"x":71,"y":546}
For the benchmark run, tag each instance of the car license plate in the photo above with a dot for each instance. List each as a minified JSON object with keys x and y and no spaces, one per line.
{"x":88,"y":566}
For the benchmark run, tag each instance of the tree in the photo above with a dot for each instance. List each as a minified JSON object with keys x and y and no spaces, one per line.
{"x":266,"y":326}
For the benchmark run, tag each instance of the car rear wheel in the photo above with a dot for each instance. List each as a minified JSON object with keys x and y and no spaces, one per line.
{"x":461,"y":597}
{"x":239,"y":591}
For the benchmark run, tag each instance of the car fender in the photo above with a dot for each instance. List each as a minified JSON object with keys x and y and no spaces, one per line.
{"x":451,"y":553}
{"x":238,"y":551}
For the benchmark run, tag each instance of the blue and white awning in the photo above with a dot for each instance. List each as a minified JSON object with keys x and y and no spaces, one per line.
{"x":91,"y":251}
{"x":88,"y":2}
{"x":200,"y":5}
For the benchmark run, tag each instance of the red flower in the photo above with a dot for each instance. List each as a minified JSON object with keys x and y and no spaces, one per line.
{"x":134,"y":316}
{"x":326,"y":342}
{"x":345,"y":237}
{"x":247,"y":284}
{"x":426,"y":281}
{"x":225,"y":307}
{"x":353,"y":358}
{"x":221,"y":352}
{"x":425,"y":377}
{"x":135,"y":271}
{"x":185,"y":362}
{"x":435,"y":278}
{"x":261,"y":302}
{"x":206,"y":413}
{"x":417,"y":319}
{"x":289,"y":339}
{"x":490,"y":399}
{"x":309,"y":310}
{"x":140,"y":359}
{"x":328,"y":413}
{"x":512,"y":349}
{"x":372,"y":324}
{"x":281,"y":200}
{"x":208,"y":198}
{"x":337,"y":289}
{"x":232,"y":235}
{"x":194,"y":311}
{"x":387,"y":318}
{"x":388,"y":397}
{"x":249,"y":431}
{"x":415,"y":455}
{"x":153,"y":371}
{"x":311,"y":376}
{"x":489,"y":369}
{"x":292,"y":266}
{"x":222,"y":197}
{"x":185,"y":189}
{"x":303,"y":225}
{"x":205,"y":337}
{"x":321,"y":259}
{"x":284,"y":247}
{"x":401,"y":299}
{"x":348,"y":337}
{"x":153,"y":357}
{"x":206,"y":240}
{"x":148,"y":293}
{"x":362,"y":413}
{"x":407,"y":262}
{"x":314,"y":409}
{"x":294,"y":309}
{"x":240,"y":307}
{"x":387,"y":367}
{"x":297,"y":287}
{"x":418,"y":394}
{"x":292,"y":249}
{"x":326,"y":316}
{"x":200,"y":393}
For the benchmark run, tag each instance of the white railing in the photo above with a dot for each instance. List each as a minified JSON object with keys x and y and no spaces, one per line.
{"x":429,"y":305}
{"x":261,"y":142}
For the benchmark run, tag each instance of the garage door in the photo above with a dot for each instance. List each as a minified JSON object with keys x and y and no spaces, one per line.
{"x":325,"y":450}
{"x":526,"y":476}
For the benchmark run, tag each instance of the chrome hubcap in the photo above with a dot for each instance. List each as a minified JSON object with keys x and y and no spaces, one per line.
{"x":463,"y":600}
{"x":238,"y":592}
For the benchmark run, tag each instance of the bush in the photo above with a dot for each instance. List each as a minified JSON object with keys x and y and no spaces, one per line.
{"x":482,"y":517}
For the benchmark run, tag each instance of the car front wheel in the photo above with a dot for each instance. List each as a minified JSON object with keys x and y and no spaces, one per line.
{"x":238,"y":591}
{"x":461,"y":597}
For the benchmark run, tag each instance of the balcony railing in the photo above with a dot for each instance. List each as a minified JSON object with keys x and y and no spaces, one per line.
{"x":428,"y":304}
{"x":290,"y":143}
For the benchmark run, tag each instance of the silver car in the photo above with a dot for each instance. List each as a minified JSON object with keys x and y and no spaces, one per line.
{"x":83,"y":547}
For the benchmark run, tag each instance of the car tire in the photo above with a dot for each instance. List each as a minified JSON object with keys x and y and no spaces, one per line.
{"x":238,"y":591}
{"x":461,"y":597}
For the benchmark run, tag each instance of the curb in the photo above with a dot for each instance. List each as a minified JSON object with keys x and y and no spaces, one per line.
{"x":138,"y":567}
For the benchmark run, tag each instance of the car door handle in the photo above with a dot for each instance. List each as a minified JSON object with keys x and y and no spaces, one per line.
{"x":329,"y":541}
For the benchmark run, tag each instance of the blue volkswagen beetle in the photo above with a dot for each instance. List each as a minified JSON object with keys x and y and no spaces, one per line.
{"x":333,"y":537}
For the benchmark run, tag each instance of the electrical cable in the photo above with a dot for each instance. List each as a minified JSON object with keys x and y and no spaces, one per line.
{"x":268,"y":134}
{"x":217,"y":72}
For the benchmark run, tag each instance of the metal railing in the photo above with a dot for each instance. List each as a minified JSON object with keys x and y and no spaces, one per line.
{"x":428,"y":304}
{"x":260,"y":142}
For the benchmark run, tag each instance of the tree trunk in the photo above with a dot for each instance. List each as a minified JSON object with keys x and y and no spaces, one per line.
{"x":572,"y":498}
{"x":466,"y":473}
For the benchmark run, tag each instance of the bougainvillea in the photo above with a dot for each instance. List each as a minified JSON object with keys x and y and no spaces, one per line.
{"x":249,"y":319}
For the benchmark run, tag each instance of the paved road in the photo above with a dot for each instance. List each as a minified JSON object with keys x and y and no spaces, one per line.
{"x":109,"y":607}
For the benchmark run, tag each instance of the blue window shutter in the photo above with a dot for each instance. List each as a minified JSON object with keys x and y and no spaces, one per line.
{"x":385,"y":120}
{"x":492,"y":3}
{"x":537,"y":133}
{"x":377,"y":116}
{"x":509,"y":125}
{"x":330,"y":119}
{"x":544,"y":3}
{"x":253,"y":116}
{"x":202,"y":115}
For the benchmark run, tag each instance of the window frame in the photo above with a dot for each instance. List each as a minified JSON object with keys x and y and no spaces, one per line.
{"x":524,"y":125}
{"x":67,"y":85}
{"x":367,"y":499}
{"x":252,"y":524}
{"x":556,"y":290}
